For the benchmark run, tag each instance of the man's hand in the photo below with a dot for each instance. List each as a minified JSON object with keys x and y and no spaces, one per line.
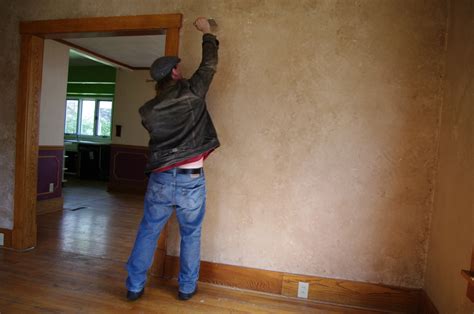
{"x":202,"y":24}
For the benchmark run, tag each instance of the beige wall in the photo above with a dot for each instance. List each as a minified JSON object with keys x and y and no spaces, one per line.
{"x":53,"y":93}
{"x":452,"y":235}
{"x":131,"y":91}
{"x":328,"y":114}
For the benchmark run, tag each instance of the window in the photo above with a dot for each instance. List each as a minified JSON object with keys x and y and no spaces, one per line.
{"x":90,"y":117}
{"x":72,"y":109}
{"x":105,"y":118}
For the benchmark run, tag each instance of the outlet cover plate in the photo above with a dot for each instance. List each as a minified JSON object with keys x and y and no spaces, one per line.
{"x":2,"y":239}
{"x":303,"y":289}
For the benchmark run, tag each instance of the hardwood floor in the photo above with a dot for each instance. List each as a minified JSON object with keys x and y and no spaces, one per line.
{"x":79,"y":266}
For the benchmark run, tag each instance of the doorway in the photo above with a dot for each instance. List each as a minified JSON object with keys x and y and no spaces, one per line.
{"x":33,"y":34}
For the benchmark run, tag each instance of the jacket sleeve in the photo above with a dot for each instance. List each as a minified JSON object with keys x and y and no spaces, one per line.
{"x":202,"y":78}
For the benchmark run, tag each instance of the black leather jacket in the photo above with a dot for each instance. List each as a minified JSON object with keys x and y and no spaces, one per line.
{"x":177,"y":119}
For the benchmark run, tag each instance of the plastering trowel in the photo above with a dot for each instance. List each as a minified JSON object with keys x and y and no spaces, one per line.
{"x":212,"y":23}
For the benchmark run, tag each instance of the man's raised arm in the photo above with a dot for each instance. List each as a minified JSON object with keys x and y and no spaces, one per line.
{"x":202,"y":78}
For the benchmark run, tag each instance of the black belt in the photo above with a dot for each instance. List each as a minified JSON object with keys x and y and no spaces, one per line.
{"x":188,"y":171}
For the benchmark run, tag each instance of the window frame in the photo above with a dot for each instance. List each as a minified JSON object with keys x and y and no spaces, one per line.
{"x":97,"y":101}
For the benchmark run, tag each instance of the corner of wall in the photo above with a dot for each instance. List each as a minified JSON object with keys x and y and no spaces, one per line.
{"x":441,"y":91}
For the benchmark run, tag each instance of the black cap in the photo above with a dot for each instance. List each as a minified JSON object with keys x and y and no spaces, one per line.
{"x":162,"y":66}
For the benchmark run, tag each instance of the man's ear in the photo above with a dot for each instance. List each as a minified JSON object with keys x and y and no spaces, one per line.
{"x":176,"y":74}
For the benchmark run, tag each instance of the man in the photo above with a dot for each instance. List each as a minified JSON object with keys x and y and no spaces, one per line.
{"x":182,"y":135}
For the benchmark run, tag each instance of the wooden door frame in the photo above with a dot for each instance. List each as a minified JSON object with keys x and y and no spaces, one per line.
{"x":33,"y":33}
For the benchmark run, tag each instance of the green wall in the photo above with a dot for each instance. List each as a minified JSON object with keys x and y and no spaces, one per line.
{"x":96,"y":81}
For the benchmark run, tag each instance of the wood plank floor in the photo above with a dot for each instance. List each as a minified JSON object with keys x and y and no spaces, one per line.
{"x":79,"y":267}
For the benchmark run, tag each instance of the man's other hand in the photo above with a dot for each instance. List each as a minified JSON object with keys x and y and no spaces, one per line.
{"x":202,"y":24}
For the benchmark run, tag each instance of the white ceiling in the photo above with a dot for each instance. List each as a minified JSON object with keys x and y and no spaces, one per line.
{"x":133,"y":51}
{"x":77,"y":58}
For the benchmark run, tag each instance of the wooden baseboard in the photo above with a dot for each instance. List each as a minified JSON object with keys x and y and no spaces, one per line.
{"x":49,"y":205}
{"x":354,"y":293}
{"x":426,"y":306}
{"x":7,"y":237}
{"x":233,"y":276}
{"x":337,"y":291}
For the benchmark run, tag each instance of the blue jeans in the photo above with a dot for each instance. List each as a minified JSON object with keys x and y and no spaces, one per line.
{"x":167,"y":190}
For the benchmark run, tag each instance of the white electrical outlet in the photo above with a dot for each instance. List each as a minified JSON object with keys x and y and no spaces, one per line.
{"x":2,"y":239}
{"x":51,"y":187}
{"x":303,"y":289}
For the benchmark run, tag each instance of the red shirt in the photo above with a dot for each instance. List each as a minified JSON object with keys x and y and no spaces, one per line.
{"x":187,"y":161}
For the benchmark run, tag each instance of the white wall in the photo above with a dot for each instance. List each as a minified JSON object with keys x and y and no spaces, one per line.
{"x":53,"y":93}
{"x":131,"y":91}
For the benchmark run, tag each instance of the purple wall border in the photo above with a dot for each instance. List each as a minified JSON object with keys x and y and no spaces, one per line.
{"x":50,"y":165}
{"x":127,"y":168}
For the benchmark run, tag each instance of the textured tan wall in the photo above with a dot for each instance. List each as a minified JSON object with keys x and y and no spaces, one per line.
{"x":328,"y":114}
{"x":8,"y":81}
{"x":452,"y":235}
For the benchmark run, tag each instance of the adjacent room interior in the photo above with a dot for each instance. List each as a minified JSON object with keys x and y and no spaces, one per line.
{"x":101,"y":81}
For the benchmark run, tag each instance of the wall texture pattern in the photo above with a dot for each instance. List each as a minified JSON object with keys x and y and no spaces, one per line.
{"x":452,"y":236}
{"x":328,"y":115}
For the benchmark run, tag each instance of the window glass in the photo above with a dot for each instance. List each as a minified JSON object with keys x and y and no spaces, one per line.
{"x":92,"y":117}
{"x":72,"y":106}
{"x":87,"y":117}
{"x":105,"y":118}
